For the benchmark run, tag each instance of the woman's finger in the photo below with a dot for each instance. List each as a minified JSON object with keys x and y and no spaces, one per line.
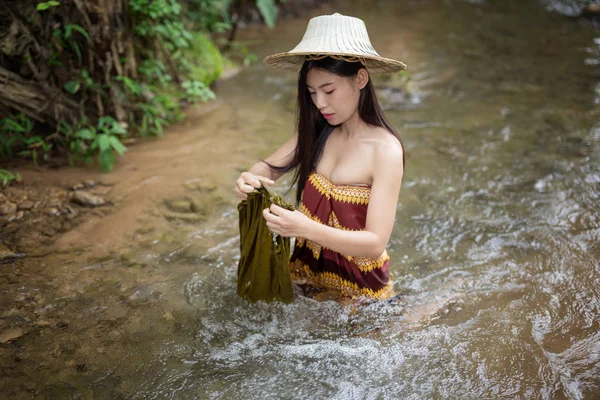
{"x":266,"y":180}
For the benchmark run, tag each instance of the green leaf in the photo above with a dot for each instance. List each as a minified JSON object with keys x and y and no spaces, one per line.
{"x":104,"y":142}
{"x":107,"y":160}
{"x":42,"y":6}
{"x":71,"y":27}
{"x":54,"y":3}
{"x":85,"y":134}
{"x":72,"y":87}
{"x":268,"y":10}
{"x":13,"y":126}
{"x":117,"y":145}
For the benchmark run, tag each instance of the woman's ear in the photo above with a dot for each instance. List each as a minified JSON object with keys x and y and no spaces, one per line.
{"x":362,"y":78}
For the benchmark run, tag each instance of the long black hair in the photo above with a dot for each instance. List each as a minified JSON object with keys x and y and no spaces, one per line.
{"x":313,"y":129}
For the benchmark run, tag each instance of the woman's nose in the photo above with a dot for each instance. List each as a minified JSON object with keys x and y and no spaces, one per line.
{"x":320,"y":101}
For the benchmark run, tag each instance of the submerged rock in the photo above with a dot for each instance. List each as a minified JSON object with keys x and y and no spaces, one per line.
{"x":179,"y":206}
{"x":87,"y":199}
{"x":185,"y":217}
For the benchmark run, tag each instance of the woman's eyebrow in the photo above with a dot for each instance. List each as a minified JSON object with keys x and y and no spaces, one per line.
{"x":323,"y":85}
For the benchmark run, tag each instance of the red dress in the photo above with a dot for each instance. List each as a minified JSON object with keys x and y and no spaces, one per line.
{"x":342,"y":207}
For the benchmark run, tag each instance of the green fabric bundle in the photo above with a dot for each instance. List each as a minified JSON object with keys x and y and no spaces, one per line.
{"x":264,"y":267}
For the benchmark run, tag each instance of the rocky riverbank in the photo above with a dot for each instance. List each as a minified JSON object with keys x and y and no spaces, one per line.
{"x":32,"y":214}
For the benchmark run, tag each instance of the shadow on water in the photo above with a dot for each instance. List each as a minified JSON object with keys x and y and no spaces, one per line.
{"x":495,"y":251}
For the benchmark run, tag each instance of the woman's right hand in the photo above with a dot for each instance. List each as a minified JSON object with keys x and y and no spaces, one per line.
{"x":247,"y":182}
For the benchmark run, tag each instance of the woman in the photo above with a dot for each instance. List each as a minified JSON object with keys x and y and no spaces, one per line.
{"x":347,"y":158}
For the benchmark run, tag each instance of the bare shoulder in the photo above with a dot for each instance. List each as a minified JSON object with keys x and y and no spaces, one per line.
{"x":387,"y":147}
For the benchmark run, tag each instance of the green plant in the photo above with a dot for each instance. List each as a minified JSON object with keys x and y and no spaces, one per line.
{"x":155,"y":72}
{"x":64,"y":39}
{"x":196,"y":90}
{"x":102,"y":139}
{"x":17,"y":137}
{"x":34,"y":145}
{"x":47,"y":4}
{"x":268,"y":10}
{"x":6,"y":177}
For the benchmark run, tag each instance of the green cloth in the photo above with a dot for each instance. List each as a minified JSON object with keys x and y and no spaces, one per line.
{"x":264,"y":267}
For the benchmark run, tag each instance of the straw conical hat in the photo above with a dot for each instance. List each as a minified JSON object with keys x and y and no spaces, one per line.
{"x":338,"y":36}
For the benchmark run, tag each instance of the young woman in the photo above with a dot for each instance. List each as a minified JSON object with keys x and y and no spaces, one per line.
{"x":348,"y":162}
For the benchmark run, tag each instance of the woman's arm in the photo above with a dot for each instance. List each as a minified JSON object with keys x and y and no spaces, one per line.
{"x":260,"y":172}
{"x":371,"y":242}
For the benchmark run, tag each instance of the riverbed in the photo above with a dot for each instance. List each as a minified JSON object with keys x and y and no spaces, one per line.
{"x":495,"y":251}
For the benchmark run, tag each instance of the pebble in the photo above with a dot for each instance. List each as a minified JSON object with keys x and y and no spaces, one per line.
{"x":87,"y":199}
{"x":10,"y":335}
{"x":53,"y":211}
{"x":26,"y":205}
{"x":8,"y":208}
{"x":5,"y":253}
{"x":89,"y":183}
{"x":16,"y":216}
{"x":180,"y":206}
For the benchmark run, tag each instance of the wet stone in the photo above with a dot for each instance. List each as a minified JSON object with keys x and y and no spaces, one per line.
{"x":144,"y":294}
{"x":6,"y":253}
{"x":54,"y":202}
{"x":89,"y":183}
{"x":87,"y":199}
{"x":52,"y":211}
{"x":8,"y":208}
{"x":185,"y":217}
{"x":26,"y":205}
{"x":10,"y":335}
{"x":179,"y":206}
{"x":16,"y":216}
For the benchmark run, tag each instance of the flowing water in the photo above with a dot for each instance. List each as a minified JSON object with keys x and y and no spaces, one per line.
{"x":495,"y":251}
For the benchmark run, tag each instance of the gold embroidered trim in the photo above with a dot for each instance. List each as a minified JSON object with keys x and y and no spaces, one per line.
{"x":342,"y":193}
{"x":330,"y":280}
{"x":312,"y":246}
{"x":364,"y":264}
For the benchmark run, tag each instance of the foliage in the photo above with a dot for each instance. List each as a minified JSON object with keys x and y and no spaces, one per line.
{"x":17,"y":137}
{"x":103,"y":139}
{"x":6,"y":177}
{"x":123,"y":71}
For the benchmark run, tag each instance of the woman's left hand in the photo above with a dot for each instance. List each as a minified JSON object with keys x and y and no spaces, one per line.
{"x":285,"y":222}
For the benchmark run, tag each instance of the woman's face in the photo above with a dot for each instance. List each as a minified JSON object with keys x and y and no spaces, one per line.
{"x":336,"y":97}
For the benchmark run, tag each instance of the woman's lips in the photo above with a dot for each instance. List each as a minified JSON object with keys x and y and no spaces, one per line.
{"x":327,"y":116}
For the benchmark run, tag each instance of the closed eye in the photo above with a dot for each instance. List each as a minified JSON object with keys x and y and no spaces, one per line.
{"x":330,"y":92}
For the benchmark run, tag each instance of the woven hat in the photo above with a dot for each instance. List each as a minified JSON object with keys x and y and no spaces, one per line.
{"x":337,"y":36}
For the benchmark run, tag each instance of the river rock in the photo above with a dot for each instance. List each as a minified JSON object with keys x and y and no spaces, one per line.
{"x":8,"y":208}
{"x":179,"y":206}
{"x":87,"y":199}
{"x":5,"y":253}
{"x":16,"y":216}
{"x":25,"y":205}
{"x":10,"y":335}
{"x":185,"y":217}
{"x":89,"y":183}
{"x":592,"y":9}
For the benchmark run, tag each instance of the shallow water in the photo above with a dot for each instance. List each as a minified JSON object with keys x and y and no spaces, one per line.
{"x":495,"y":251}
